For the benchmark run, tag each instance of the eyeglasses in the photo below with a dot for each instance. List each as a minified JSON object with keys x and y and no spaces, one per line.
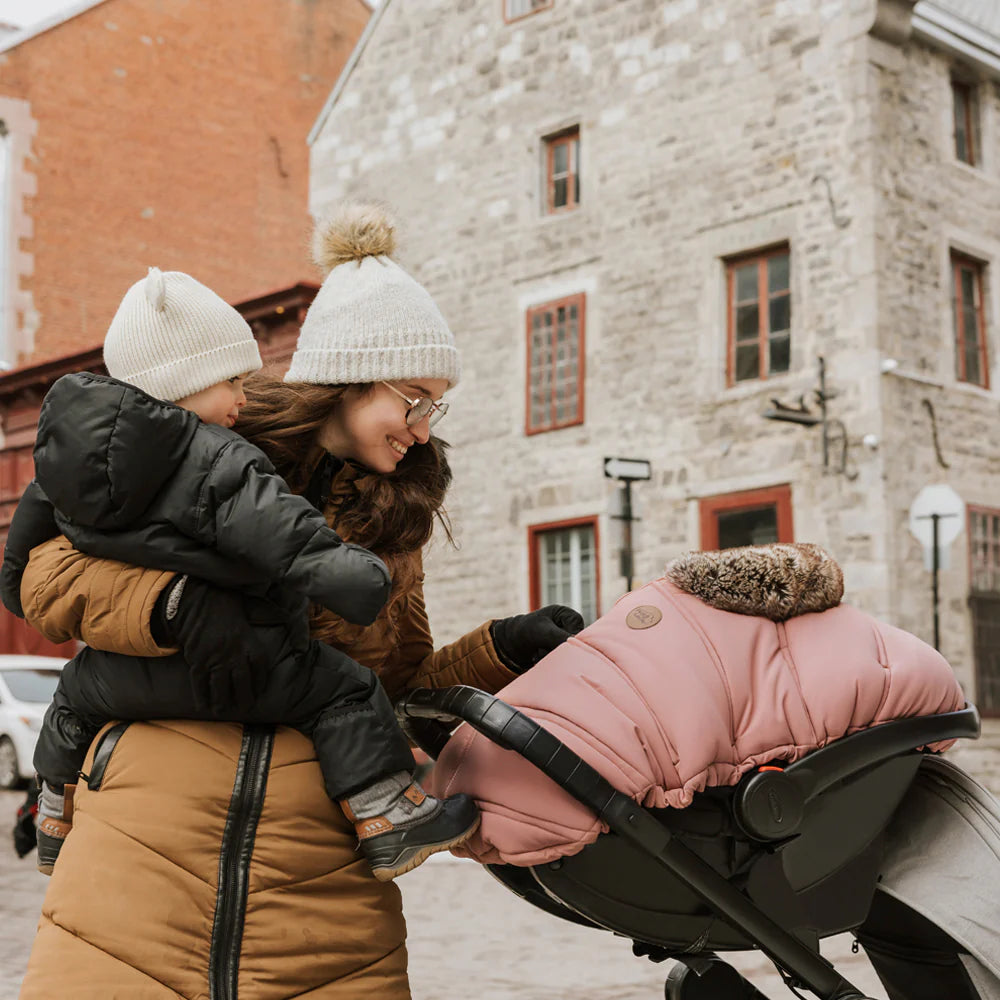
{"x":420,"y":408}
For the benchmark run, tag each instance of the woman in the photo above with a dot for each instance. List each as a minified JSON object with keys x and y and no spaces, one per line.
{"x":205,"y":859}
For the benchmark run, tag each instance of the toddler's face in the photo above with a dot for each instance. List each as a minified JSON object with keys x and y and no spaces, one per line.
{"x":218,"y":404}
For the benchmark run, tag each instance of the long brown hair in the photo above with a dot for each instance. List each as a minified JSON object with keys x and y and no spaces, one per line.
{"x":392,"y":514}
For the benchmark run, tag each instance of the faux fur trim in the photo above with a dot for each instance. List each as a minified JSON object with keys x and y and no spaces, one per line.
{"x":776,"y":581}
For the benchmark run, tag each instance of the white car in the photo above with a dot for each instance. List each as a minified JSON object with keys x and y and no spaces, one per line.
{"x":27,"y":684}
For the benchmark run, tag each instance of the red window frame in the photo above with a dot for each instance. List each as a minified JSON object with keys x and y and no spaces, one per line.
{"x":965,"y":93}
{"x":511,"y":19}
{"x":580,"y":301}
{"x":763,"y":299}
{"x":571,"y":139}
{"x":534,"y":570}
{"x":709,"y":509}
{"x":959,"y":263}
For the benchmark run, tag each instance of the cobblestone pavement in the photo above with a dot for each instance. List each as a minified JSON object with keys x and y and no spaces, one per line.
{"x":21,"y":891}
{"x":469,"y":936}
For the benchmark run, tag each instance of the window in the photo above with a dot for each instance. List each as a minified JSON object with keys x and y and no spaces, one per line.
{"x":966,"y":111}
{"x":760,"y":315}
{"x":564,"y":566}
{"x":515,"y":9}
{"x":984,"y":550}
{"x":562,"y":170}
{"x":984,"y":605}
{"x":969,"y":319}
{"x":555,"y":364}
{"x":753,"y":517}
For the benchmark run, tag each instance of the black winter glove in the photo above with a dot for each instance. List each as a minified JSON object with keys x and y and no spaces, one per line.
{"x":212,"y":627}
{"x":25,"y":836}
{"x":522,"y":640}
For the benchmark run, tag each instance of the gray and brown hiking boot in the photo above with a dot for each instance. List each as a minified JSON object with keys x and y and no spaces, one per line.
{"x":409,"y":827}
{"x":53,"y":830}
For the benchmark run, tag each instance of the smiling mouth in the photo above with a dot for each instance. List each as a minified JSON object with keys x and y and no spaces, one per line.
{"x":397,"y":446}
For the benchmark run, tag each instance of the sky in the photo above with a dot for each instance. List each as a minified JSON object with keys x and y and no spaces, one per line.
{"x":26,"y":12}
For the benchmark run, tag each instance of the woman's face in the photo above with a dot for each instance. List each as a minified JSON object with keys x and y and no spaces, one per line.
{"x":370,"y":427}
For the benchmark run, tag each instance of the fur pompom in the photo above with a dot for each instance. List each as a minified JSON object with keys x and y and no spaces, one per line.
{"x":352,"y":232}
{"x":156,"y":289}
{"x":776,"y":581}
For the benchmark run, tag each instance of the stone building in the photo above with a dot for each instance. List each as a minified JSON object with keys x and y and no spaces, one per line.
{"x":141,"y":132}
{"x":647,"y":222}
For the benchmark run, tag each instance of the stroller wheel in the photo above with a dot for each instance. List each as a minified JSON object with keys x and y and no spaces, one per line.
{"x":717,"y":981}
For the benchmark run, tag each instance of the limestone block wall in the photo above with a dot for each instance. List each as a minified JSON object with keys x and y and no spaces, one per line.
{"x":708,"y":128}
{"x":930,"y":204}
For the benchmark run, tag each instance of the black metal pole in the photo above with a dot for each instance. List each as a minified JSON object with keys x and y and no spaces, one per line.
{"x":627,"y":520}
{"x":934,"y":579}
{"x":822,"y":409}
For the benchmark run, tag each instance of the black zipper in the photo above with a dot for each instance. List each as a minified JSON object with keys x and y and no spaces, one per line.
{"x":234,"y":860}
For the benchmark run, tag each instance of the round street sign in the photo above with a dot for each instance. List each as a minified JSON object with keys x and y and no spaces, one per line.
{"x":938,"y":499}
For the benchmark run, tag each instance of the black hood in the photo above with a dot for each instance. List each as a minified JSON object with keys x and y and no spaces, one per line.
{"x":105,"y":449}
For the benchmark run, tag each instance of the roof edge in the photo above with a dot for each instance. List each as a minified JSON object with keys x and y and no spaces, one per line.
{"x":346,"y":72}
{"x":47,"y":24}
{"x":958,"y":37}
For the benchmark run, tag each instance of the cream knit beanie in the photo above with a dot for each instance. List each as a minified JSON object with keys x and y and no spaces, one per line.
{"x":370,"y":320}
{"x":173,"y":337}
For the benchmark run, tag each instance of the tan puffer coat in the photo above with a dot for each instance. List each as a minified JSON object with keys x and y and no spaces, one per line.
{"x":207,"y":862}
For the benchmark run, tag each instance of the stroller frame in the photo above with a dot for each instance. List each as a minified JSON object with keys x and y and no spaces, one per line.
{"x":768,"y":807}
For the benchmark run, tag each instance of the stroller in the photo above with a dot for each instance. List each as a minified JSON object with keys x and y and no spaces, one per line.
{"x":784,"y":858}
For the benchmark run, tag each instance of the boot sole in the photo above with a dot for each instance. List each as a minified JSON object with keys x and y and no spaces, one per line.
{"x":384,"y":873}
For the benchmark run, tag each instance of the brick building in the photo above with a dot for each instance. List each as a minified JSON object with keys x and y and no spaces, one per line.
{"x":139,"y":132}
{"x":647,"y":223}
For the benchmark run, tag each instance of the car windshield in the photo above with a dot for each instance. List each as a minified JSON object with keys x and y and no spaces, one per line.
{"x":31,"y":685}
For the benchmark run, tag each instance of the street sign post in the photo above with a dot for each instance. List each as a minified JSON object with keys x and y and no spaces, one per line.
{"x":627,"y":471}
{"x":937,"y":517}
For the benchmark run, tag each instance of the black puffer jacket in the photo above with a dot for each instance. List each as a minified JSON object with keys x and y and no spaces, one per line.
{"x":129,"y":477}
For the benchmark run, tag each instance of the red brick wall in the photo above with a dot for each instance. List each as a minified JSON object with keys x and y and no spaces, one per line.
{"x":169,"y":132}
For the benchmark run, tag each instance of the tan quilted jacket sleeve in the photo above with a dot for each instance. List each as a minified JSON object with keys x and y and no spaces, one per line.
{"x":105,"y":603}
{"x":469,"y":660}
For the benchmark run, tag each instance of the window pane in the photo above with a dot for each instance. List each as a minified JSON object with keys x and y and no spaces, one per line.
{"x":960,"y":94}
{"x":559,"y":158}
{"x":746,"y":282}
{"x":972,"y":372}
{"x":758,"y":526}
{"x":780,"y":313}
{"x":780,"y":349}
{"x":747,"y":322}
{"x":777,"y":273}
{"x":968,"y":277}
{"x":567,"y":561}
{"x":559,"y":193}
{"x":747,"y":361}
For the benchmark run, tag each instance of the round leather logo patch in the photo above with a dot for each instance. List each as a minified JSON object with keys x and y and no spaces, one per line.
{"x":644,"y":616}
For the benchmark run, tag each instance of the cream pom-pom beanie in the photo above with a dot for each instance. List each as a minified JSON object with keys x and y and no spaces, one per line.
{"x":172,"y":337}
{"x":370,"y":320}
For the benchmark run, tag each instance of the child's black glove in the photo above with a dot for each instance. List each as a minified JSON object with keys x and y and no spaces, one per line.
{"x":25,"y":834}
{"x":212,"y":628}
{"x":522,"y":640}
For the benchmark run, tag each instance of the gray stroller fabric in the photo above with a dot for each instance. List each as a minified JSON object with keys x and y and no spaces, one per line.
{"x":943,"y":860}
